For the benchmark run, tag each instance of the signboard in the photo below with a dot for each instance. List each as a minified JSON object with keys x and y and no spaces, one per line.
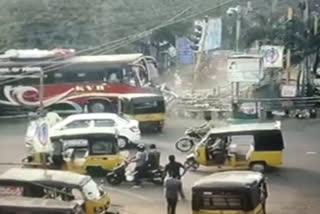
{"x":214,"y":34}
{"x":19,"y":70}
{"x":184,"y":51}
{"x":37,"y":136}
{"x":249,"y":108}
{"x":272,"y":56}
{"x":288,"y":91}
{"x":244,"y":69}
{"x":43,"y":133}
{"x":11,"y":191}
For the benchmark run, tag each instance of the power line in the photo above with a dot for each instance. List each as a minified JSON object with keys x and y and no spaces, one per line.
{"x":170,"y":22}
{"x":137,"y":36}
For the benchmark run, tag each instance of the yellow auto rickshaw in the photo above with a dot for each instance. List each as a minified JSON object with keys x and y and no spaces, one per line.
{"x":93,"y":151}
{"x":230,"y":192}
{"x":254,"y":146}
{"x":28,"y":205}
{"x":55,"y":184}
{"x":148,"y":109}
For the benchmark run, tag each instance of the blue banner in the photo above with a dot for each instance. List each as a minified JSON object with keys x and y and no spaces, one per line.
{"x":184,"y":52}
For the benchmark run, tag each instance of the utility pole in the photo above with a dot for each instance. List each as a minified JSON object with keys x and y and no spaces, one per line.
{"x":238,"y":32}
{"x":200,"y":54}
{"x":290,"y":15}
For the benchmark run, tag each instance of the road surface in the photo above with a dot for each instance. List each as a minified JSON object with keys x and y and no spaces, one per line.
{"x":294,"y":188}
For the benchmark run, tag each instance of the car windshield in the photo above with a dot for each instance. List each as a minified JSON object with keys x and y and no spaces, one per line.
{"x":104,"y":123}
{"x":78,"y":124}
{"x":91,"y":190}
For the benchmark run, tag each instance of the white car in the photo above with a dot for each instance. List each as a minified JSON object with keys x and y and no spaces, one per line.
{"x":128,"y":130}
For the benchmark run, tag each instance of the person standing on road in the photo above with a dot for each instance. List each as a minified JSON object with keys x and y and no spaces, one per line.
{"x":153,"y":157}
{"x":172,"y":188}
{"x":173,"y":168}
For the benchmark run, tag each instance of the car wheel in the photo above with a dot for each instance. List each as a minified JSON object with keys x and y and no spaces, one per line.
{"x":122,"y":142}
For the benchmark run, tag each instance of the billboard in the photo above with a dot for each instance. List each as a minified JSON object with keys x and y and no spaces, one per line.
{"x":214,"y":34}
{"x":245,"y":69}
{"x":184,"y":52}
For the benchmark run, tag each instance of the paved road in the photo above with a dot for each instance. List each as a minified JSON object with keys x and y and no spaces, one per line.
{"x":294,"y":188}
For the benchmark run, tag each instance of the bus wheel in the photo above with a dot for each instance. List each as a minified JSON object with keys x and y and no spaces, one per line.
{"x":258,"y":166}
{"x":97,"y":107}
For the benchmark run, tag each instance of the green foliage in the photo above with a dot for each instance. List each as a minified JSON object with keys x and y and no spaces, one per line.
{"x":86,"y":23}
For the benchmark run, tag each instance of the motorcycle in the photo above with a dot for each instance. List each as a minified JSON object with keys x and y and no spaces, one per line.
{"x":192,"y":136}
{"x":119,"y":174}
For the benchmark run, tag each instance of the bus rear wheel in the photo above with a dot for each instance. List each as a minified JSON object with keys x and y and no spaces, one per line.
{"x":97,"y":107}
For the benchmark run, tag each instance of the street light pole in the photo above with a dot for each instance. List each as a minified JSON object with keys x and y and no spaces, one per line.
{"x":238,"y":33}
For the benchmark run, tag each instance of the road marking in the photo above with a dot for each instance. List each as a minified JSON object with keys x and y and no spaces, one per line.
{"x":129,"y":194}
{"x":311,"y":153}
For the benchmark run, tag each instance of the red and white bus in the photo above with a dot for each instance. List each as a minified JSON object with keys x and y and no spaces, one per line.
{"x":72,"y":84}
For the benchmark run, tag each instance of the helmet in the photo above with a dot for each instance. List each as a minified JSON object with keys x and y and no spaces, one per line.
{"x":140,"y":147}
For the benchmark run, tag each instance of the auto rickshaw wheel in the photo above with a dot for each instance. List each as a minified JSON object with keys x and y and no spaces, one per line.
{"x":113,"y":179}
{"x":258,"y":166}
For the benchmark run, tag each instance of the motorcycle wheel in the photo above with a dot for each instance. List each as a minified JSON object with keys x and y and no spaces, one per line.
{"x":184,"y":144}
{"x":114,"y":179}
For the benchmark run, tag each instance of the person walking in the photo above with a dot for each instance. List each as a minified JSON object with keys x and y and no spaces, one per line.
{"x":173,"y":168}
{"x":172,"y":189}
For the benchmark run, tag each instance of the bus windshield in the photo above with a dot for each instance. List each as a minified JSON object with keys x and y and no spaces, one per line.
{"x":147,"y":106}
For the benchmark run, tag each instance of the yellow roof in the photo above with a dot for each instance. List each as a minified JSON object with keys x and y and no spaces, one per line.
{"x":246,"y":128}
{"x":37,"y":203}
{"x":42,"y":175}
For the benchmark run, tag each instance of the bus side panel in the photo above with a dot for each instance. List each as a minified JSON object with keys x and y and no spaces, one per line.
{"x":272,"y":158}
{"x":148,"y":117}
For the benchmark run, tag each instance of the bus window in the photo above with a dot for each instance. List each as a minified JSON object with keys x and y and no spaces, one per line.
{"x":145,"y":106}
{"x":58,"y":77}
{"x":113,"y":75}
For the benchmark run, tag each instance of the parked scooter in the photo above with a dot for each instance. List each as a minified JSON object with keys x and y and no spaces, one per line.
{"x":192,"y":136}
{"x":119,"y":174}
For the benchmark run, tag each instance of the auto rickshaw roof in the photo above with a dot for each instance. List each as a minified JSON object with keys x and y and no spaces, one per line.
{"x":229,"y":180}
{"x":101,"y":131}
{"x":58,"y":177}
{"x":248,"y":127}
{"x":37,"y":203}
